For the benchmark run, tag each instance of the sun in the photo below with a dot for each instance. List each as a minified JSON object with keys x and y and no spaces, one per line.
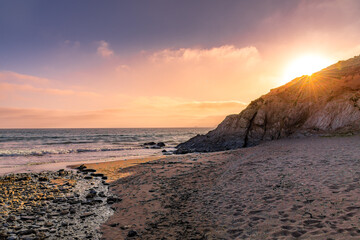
{"x":305,"y":65}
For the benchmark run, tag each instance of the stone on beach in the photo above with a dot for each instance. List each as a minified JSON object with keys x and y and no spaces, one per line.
{"x":47,"y":205}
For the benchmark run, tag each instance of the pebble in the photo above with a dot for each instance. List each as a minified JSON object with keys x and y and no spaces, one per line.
{"x":50,"y":205}
{"x":132,"y":233}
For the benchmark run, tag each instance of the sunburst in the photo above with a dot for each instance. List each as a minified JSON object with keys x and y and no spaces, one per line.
{"x":305,"y":65}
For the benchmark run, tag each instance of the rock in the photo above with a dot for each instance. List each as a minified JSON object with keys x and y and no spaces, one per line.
{"x":39,"y":208}
{"x":81,"y":167}
{"x":97,"y":175}
{"x":85,"y":215}
{"x":25,"y":178}
{"x":132,"y":233}
{"x":64,"y":212}
{"x":160,"y":144}
{"x":149,"y":143}
{"x":183,"y":148}
{"x":25,"y":218}
{"x":72,"y":202}
{"x":88,"y":170}
{"x":41,"y":235}
{"x":3,"y":234}
{"x":125,"y":227}
{"x":91,"y":194}
{"x":42,"y":229}
{"x":11,"y":218}
{"x":97,"y":200}
{"x":43,"y":179}
{"x":62,"y":172}
{"x":64,"y":224}
{"x":93,"y":191}
{"x":308,"y":105}
{"x":48,"y":224}
{"x":27,"y":232}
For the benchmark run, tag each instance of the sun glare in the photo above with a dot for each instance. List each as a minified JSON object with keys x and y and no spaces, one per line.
{"x":305,"y":65}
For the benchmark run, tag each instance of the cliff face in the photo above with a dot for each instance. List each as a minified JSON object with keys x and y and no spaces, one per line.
{"x":325,"y":102}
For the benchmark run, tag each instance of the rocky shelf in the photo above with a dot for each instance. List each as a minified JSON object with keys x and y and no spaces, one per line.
{"x":54,"y":205}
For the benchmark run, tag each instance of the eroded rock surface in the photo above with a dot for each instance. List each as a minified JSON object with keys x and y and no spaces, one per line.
{"x":53,"y":205}
{"x":327,"y":102}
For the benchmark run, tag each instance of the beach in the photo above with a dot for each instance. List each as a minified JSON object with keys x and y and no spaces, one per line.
{"x":304,"y":188}
{"x":180,"y":120}
{"x":36,"y":150}
{"x":286,"y":189}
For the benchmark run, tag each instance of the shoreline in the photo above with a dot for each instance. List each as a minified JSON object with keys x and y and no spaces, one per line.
{"x":286,"y":189}
{"x":38,"y":168}
{"x":50,"y":204}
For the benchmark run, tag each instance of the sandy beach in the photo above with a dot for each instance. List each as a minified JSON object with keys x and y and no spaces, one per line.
{"x":286,"y":189}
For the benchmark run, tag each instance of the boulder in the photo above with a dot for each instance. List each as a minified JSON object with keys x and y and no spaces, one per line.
{"x":160,"y":144}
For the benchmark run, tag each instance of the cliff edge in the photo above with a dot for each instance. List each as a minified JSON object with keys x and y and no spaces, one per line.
{"x":325,"y":102}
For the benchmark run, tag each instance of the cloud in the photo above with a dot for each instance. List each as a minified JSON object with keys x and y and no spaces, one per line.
{"x":182,"y":105}
{"x":123,"y":67}
{"x":213,"y":105}
{"x":12,"y":81}
{"x":8,"y":76}
{"x":7,"y":87}
{"x":218,"y":73}
{"x":104,"y":50}
{"x":225,"y":52}
{"x":73,"y":44}
{"x":158,"y":112}
{"x":174,"y":112}
{"x":44,"y":118}
{"x":183,"y":87}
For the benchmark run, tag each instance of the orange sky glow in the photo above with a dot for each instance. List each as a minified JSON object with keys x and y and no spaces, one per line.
{"x":194,"y":85}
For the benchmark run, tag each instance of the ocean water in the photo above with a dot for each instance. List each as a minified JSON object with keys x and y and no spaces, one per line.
{"x":39,"y":146}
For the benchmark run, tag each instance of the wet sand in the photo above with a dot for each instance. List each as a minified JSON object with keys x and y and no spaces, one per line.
{"x":286,"y":189}
{"x":111,"y":168}
{"x":37,"y":168}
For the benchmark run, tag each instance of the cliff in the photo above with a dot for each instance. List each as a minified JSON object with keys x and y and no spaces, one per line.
{"x":325,"y":102}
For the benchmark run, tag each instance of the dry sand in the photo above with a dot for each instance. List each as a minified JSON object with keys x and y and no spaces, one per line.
{"x":286,"y":189}
{"x":111,"y":168}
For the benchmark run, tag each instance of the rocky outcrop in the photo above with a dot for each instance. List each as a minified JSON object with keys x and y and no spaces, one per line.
{"x":325,"y":102}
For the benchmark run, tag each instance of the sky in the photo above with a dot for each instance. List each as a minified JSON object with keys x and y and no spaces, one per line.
{"x":159,"y":63}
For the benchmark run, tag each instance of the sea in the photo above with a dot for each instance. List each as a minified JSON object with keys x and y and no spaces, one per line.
{"x":40,"y":146}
